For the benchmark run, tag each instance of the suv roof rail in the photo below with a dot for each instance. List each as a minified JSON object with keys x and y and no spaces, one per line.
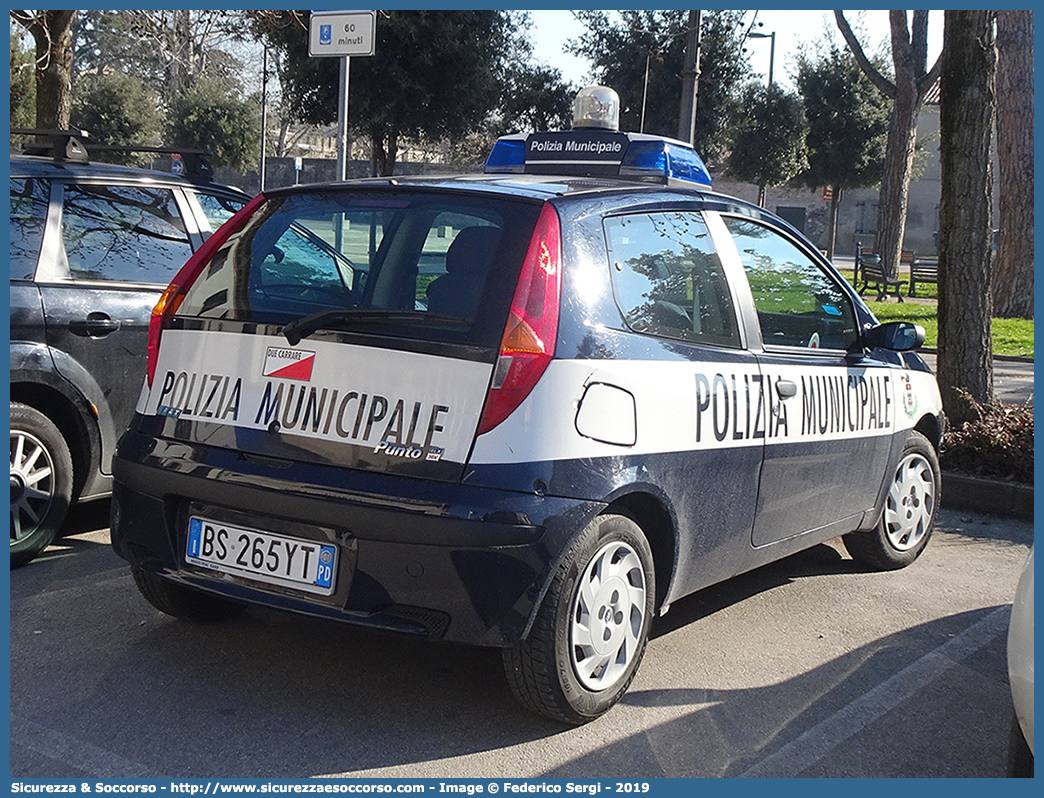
{"x":65,"y":146}
{"x":195,"y":162}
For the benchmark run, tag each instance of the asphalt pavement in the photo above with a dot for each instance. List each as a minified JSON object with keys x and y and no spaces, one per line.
{"x":808,"y":667}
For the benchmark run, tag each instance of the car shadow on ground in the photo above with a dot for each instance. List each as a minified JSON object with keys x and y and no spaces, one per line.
{"x":872,"y":713}
{"x":274,"y":695}
{"x":821,"y":560}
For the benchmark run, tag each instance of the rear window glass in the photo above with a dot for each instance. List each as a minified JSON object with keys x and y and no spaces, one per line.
{"x":403,"y":260}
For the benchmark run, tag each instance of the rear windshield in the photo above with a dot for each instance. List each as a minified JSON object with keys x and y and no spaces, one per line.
{"x":427,"y":264}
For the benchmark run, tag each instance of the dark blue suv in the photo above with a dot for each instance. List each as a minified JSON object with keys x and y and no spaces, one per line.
{"x":92,"y":248}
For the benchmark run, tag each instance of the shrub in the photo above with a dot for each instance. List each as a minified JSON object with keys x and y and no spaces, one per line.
{"x":997,"y":445}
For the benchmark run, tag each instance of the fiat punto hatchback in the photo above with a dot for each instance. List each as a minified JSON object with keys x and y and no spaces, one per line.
{"x":525,"y":409}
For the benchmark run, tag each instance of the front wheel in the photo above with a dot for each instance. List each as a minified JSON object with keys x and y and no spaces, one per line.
{"x":591,"y":630}
{"x":41,"y":482}
{"x":909,"y":514}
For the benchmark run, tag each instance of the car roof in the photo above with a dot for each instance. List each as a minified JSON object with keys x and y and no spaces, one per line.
{"x":47,"y":167}
{"x":535,"y":187}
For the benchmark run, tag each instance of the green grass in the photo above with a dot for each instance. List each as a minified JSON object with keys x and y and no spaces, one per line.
{"x":1010,"y":336}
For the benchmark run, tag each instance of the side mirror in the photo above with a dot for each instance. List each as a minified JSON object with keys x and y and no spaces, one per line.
{"x":897,"y":336}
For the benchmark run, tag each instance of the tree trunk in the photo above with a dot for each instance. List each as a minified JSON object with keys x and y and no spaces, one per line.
{"x":835,"y":203}
{"x":1013,"y":263}
{"x":912,"y":81}
{"x":968,"y":101}
{"x":54,"y":58}
{"x":384,"y":149}
{"x":181,"y":56}
{"x":895,"y":183}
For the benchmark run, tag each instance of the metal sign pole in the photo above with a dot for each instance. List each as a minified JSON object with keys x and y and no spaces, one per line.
{"x":342,"y":121}
{"x":342,"y":34}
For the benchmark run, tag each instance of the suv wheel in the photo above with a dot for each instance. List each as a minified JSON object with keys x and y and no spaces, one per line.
{"x":590,"y":632}
{"x":41,"y":482}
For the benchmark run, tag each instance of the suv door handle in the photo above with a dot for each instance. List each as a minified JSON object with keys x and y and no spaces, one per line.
{"x":96,"y":325}
{"x":785,"y":388}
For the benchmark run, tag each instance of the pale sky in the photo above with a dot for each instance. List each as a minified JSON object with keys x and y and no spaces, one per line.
{"x":551,"y":30}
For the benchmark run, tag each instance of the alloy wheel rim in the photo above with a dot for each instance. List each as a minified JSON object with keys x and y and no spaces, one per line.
{"x":911,"y":503}
{"x":32,"y":484}
{"x":608,"y":616}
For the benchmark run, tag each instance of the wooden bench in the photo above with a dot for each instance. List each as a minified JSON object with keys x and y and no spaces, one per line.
{"x":870,"y":272}
{"x":923,"y":270}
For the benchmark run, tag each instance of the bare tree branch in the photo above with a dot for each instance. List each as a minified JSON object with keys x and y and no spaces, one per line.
{"x":884,"y":84}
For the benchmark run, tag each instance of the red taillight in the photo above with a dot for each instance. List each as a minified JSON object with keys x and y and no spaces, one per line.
{"x":172,"y":297}
{"x":532,"y":327}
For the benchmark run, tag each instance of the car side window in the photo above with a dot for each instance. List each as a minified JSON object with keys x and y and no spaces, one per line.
{"x":29,"y":201}
{"x":667,"y":278}
{"x":798,"y":303}
{"x":123,"y":233}
{"x":218,"y":208}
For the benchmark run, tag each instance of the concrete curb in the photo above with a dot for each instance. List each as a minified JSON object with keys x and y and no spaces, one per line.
{"x":962,"y":492}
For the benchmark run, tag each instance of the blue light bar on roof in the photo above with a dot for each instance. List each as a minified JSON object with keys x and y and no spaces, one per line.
{"x":507,"y":156}
{"x":662,"y":157}
{"x":599,"y":153}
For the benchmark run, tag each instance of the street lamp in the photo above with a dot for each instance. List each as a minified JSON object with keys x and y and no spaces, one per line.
{"x":645,"y":91}
{"x":264,"y":113}
{"x":772,"y":48}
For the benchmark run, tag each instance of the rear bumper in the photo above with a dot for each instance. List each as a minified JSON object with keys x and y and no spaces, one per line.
{"x":439,"y":560}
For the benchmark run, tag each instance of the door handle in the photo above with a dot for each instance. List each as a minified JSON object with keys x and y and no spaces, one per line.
{"x":785,"y":388}
{"x":96,"y":325}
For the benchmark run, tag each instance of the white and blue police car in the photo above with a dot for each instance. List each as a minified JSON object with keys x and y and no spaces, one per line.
{"x":525,"y":409}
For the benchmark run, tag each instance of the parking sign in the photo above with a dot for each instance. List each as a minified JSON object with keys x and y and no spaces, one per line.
{"x":342,"y":33}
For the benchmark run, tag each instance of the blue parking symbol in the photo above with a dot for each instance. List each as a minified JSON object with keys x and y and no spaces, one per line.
{"x":325,"y":34}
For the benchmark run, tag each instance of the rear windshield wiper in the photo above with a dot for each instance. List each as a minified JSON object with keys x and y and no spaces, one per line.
{"x":301,"y":328}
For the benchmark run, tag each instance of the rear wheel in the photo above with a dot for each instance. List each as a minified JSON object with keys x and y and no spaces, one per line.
{"x":41,"y":482}
{"x":183,"y":602}
{"x":591,"y":630}
{"x":909,"y":514}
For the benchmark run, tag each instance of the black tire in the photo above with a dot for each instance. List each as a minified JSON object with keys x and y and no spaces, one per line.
{"x":184,"y":603}
{"x":586,"y":644}
{"x":41,"y":482}
{"x":909,"y":514}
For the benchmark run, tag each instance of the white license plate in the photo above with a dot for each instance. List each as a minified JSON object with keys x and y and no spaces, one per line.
{"x":276,"y":559}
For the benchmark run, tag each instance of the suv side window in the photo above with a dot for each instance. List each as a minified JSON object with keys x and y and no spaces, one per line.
{"x":218,"y":208}
{"x":29,"y":201}
{"x":667,"y":278}
{"x":798,"y":303}
{"x":123,"y":233}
